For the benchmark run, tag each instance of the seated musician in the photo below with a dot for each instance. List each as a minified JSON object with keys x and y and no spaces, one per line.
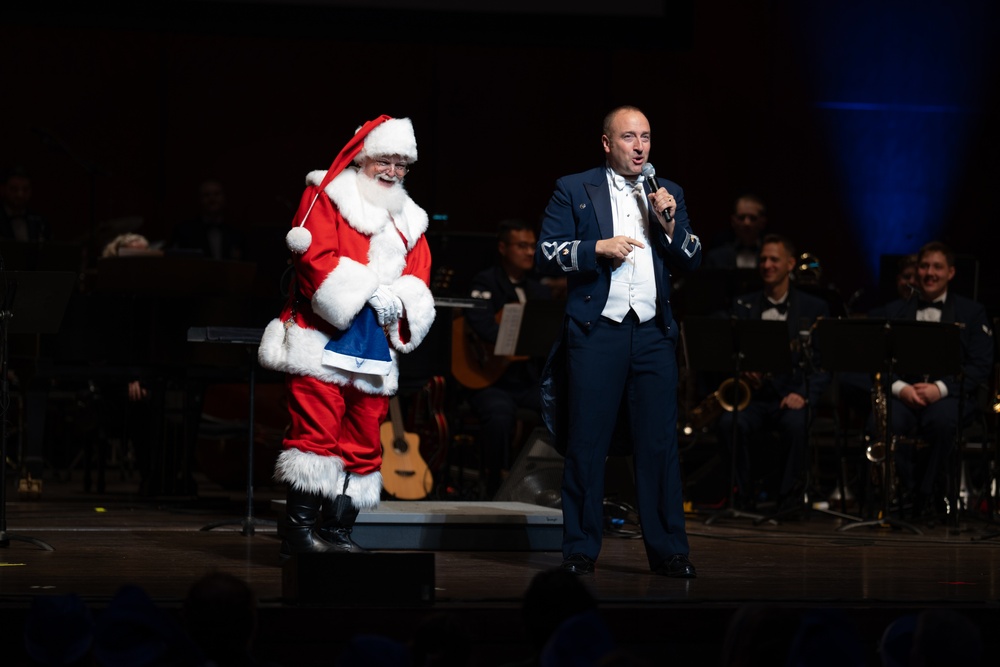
{"x":778,"y":401}
{"x":509,"y":280}
{"x":742,"y":250}
{"x":132,"y":404}
{"x":906,"y":276}
{"x":18,"y":220}
{"x":929,"y":407}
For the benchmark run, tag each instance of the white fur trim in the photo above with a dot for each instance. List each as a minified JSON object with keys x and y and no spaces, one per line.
{"x":310,"y":472}
{"x":365,"y":490}
{"x":412,"y":221}
{"x":418,"y":306}
{"x":344,"y":292}
{"x":298,"y":239}
{"x":361,"y":215}
{"x":393,"y":137}
{"x":299,"y":351}
{"x":356,"y":364}
{"x":324,"y":475}
{"x":386,"y":255}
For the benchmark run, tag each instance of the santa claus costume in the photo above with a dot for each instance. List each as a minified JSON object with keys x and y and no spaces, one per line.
{"x":358,"y":298}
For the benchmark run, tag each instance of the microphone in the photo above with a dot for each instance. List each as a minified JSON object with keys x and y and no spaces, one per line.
{"x":649,"y":173}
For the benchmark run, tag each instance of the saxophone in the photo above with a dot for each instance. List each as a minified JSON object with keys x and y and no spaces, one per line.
{"x":881,"y":443}
{"x":875,"y":452}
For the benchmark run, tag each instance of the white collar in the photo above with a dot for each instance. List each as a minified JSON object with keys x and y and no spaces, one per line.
{"x":619,"y":182}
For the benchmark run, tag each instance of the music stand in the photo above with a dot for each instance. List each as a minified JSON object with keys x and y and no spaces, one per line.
{"x":736,"y":346}
{"x":540,"y":326}
{"x":888,"y":346}
{"x":807,"y":364}
{"x":993,"y":480}
{"x":47,"y":293}
{"x":251,"y":339}
{"x":709,"y":292}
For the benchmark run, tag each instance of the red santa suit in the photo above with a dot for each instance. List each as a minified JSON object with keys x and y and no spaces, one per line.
{"x":345,"y":249}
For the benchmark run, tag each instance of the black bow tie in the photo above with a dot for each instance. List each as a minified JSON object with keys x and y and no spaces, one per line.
{"x":782,"y":307}
{"x":930,"y":304}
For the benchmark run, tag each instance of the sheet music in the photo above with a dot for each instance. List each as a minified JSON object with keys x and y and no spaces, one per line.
{"x":510,"y":328}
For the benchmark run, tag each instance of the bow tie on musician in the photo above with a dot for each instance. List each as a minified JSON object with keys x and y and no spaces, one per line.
{"x":774,"y":402}
{"x":779,"y":309}
{"x":924,"y":408}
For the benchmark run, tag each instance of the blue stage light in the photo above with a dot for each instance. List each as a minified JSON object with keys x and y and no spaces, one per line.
{"x":897,"y":87}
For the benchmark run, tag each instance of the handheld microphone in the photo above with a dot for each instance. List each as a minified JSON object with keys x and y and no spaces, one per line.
{"x":649,"y":173}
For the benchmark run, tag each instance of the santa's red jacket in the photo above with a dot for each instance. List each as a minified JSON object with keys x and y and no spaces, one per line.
{"x":352,"y":248}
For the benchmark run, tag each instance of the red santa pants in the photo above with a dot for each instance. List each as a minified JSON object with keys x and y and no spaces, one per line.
{"x":331,"y":420}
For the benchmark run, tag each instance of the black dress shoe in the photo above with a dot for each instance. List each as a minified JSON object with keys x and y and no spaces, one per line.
{"x":677,"y":566}
{"x":579,"y":564}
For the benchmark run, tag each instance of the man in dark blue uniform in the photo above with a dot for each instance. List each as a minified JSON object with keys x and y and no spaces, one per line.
{"x":778,"y":401}
{"x":617,"y":239}
{"x":929,"y":407}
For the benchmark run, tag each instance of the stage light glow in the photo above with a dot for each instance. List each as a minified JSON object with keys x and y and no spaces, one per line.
{"x":897,"y":87}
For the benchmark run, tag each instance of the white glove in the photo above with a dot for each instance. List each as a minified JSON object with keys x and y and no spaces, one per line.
{"x":388,"y":307}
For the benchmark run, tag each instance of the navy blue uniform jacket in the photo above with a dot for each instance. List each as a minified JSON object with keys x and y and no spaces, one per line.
{"x":577,"y":217}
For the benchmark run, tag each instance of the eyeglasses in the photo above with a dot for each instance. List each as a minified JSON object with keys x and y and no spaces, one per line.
{"x":400,"y":168}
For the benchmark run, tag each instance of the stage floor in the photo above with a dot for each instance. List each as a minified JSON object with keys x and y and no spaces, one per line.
{"x":100,"y":542}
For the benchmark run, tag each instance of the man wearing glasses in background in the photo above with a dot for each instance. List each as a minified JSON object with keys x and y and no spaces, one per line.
{"x":741,"y":251}
{"x":510,"y":280}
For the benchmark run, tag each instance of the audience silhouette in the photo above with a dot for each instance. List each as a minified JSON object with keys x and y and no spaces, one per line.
{"x":220,"y":614}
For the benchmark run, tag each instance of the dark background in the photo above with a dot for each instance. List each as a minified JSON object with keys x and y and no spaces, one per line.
{"x":122,"y":113}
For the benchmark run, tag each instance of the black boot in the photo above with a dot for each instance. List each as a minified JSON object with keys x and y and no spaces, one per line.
{"x":302,"y":517}
{"x":339,"y":515}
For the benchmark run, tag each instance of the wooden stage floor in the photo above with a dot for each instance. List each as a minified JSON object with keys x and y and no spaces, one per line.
{"x":875,"y":574}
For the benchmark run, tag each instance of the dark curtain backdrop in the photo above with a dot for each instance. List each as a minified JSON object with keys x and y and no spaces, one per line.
{"x":123,"y":115}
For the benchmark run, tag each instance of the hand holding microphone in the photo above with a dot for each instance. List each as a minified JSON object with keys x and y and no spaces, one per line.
{"x":667,"y":200}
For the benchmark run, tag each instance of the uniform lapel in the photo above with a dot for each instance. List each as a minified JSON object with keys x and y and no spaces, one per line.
{"x":600,"y":197}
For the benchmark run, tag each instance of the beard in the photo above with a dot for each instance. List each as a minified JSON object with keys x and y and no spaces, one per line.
{"x":373,"y":192}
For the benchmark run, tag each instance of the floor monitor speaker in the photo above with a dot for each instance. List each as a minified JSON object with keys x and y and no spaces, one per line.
{"x":536,"y":476}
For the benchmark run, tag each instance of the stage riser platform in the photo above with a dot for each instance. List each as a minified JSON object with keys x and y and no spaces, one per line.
{"x":455,"y":526}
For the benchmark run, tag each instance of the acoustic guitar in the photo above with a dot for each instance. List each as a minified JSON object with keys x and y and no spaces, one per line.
{"x":405,"y":475}
{"x":472,"y":360}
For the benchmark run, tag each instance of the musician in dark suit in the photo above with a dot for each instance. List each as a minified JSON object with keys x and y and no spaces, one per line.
{"x":741,"y":250}
{"x":510,"y":280}
{"x":929,"y":407}
{"x":618,"y":344}
{"x":778,"y":401}
{"x":18,"y":222}
{"x":212,"y":232}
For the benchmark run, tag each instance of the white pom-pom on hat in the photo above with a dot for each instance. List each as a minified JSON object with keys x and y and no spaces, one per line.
{"x":298,"y":239}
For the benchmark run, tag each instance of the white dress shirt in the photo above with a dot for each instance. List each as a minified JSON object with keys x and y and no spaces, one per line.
{"x":633,"y":282}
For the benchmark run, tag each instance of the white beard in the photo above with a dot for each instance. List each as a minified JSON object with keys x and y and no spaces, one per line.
{"x":391,"y":199}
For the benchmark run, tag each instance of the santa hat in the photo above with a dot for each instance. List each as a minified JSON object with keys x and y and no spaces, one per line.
{"x":361,"y":348}
{"x":383,"y":136}
{"x":393,"y":137}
